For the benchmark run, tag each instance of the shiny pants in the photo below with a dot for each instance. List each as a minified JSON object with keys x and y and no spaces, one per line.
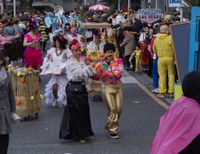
{"x":112,"y":96}
{"x":138,"y":61}
{"x":166,"y":67}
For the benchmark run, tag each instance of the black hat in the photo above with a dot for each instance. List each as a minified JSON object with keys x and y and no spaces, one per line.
{"x":191,"y":85}
{"x":109,"y":46}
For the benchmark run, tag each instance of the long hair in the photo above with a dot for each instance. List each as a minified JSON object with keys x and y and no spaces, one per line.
{"x":62,"y":41}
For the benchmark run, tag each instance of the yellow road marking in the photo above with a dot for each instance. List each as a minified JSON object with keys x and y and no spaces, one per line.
{"x":159,"y":101}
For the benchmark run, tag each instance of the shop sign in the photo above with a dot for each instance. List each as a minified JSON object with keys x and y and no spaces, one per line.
{"x":149,"y":15}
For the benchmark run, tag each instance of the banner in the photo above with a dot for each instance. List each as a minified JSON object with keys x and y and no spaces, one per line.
{"x":175,"y":3}
{"x":149,"y":15}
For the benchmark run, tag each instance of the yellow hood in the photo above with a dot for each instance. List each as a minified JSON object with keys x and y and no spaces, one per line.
{"x":162,"y":36}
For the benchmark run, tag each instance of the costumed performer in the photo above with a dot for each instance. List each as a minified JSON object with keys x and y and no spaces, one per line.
{"x":110,"y":73}
{"x":95,"y":49}
{"x":32,"y":54}
{"x":179,"y":127}
{"x":55,"y":64}
{"x":75,"y":122}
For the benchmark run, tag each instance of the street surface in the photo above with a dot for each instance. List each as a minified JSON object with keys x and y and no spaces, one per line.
{"x":138,"y":125}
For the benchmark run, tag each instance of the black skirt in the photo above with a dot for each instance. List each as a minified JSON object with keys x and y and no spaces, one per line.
{"x":76,"y":122}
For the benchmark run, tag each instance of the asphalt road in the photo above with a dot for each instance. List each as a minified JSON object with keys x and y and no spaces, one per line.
{"x":138,"y":125}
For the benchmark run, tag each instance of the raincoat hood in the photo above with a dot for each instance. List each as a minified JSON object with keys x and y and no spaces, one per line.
{"x":162,"y":36}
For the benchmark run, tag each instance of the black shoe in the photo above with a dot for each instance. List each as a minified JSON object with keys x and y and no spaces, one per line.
{"x":114,"y":136}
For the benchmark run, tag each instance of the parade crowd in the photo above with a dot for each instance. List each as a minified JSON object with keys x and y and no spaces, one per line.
{"x":80,"y":57}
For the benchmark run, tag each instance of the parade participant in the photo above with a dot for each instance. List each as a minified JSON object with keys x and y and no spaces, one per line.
{"x":55,"y":63}
{"x":110,"y":72}
{"x":32,"y":54}
{"x":7,"y":106}
{"x":179,"y":128}
{"x":97,"y":44}
{"x":74,"y":28}
{"x":43,"y":34}
{"x":76,"y":118}
{"x":16,"y":27}
{"x":143,"y":40}
{"x":5,"y":39}
{"x":138,"y":60}
{"x":162,"y":47}
{"x":128,"y":44}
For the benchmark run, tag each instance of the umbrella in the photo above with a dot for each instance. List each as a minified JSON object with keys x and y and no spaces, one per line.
{"x":99,"y":7}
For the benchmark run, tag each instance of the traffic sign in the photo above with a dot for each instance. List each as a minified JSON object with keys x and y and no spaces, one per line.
{"x":175,"y":3}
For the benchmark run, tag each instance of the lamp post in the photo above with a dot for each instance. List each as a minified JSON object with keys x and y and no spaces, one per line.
{"x":129,"y":4}
{"x":119,"y":2}
{"x":14,"y":8}
{"x":1,"y":6}
{"x":156,"y":4}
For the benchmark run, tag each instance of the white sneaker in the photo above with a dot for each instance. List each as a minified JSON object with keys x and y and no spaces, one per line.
{"x":155,"y":91}
{"x":114,"y":136}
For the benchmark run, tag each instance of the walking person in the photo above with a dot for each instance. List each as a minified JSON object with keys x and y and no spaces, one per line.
{"x":7,"y":106}
{"x":54,"y":64}
{"x":75,"y":122}
{"x":109,"y":71}
{"x":128,"y":44}
{"x":32,"y":54}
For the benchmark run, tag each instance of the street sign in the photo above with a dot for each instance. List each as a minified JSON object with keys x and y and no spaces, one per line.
{"x":149,"y":15}
{"x":175,"y":3}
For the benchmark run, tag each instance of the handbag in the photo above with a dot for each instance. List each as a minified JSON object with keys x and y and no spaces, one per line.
{"x":76,"y":86}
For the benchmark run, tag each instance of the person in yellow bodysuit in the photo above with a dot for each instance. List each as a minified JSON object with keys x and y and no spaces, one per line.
{"x":163,"y":48}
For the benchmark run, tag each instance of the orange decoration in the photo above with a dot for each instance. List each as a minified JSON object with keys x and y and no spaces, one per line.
{"x":30,"y":69}
{"x":36,"y":89}
{"x":17,"y":101}
{"x":22,"y":80}
{"x":114,"y":64}
{"x":16,"y":67}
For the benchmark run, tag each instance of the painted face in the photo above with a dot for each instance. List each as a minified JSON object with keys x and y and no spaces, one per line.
{"x":110,"y":55}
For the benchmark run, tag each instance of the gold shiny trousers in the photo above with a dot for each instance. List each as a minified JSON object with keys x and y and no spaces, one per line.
{"x":112,"y":96}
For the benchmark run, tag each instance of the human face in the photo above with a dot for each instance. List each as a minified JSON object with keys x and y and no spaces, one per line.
{"x":109,"y":55}
{"x":77,"y":53}
{"x":97,"y":40}
{"x":57,"y":44}
{"x":1,"y":30}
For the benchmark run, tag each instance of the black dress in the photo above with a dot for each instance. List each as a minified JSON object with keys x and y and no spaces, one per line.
{"x":75,"y":122}
{"x":193,"y":147}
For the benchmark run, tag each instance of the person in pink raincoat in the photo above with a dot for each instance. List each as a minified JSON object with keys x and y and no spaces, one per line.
{"x":179,"y":127}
